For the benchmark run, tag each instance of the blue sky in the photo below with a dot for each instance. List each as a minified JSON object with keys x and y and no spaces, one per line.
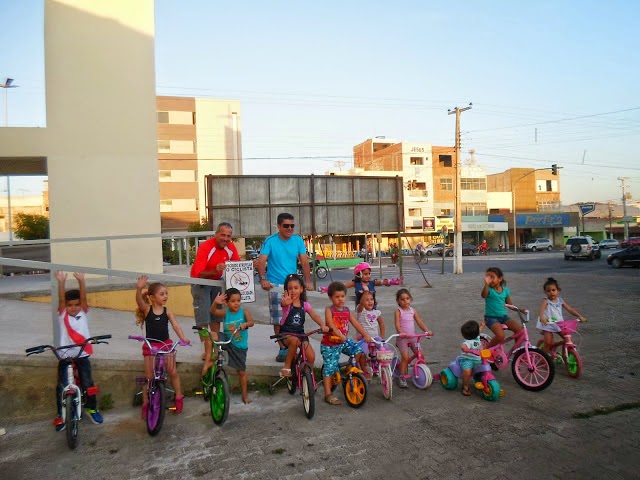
{"x":550,"y":82}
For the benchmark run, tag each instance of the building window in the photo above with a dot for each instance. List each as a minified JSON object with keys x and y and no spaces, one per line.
{"x":445,"y":212}
{"x":166,"y":205}
{"x":473,"y":183}
{"x":445,"y":160}
{"x":446,"y":184}
{"x":549,"y":206}
{"x":416,"y":161}
{"x":474,"y":209}
{"x":415,"y":212}
{"x":177,"y":146}
{"x":163,"y":117}
{"x":164,"y":146}
{"x":165,"y":175}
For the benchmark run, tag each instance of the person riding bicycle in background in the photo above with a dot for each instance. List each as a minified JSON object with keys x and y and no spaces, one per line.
{"x":335,"y":342}
{"x":236,"y":317}
{"x":406,"y":318}
{"x":153,"y":314}
{"x":73,"y":320}
{"x":551,"y":312}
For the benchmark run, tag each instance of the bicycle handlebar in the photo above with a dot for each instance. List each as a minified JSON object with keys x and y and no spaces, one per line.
{"x":160,"y":349}
{"x":406,"y":335}
{"x":291,"y":334}
{"x":41,"y":348}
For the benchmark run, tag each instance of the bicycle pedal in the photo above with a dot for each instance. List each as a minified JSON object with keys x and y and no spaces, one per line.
{"x":198,"y":393}
{"x":502,"y":392}
{"x":478,"y":386}
{"x":172,"y":409}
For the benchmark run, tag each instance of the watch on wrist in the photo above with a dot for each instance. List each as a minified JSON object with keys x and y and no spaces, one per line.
{"x":262,"y":278}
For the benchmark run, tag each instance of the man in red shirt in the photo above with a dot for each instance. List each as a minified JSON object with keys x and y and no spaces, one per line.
{"x":210,"y":262}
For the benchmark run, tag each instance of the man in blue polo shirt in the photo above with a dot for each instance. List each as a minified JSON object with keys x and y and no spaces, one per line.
{"x":282,"y":251}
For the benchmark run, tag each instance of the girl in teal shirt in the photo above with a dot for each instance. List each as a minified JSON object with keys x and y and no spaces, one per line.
{"x":496,"y":294}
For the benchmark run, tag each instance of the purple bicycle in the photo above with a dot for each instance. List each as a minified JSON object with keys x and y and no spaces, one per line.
{"x":157,"y":392}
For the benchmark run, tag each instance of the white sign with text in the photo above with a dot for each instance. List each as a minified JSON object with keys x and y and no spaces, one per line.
{"x":240,"y":275}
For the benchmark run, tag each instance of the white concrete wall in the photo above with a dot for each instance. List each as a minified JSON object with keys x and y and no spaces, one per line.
{"x":218,"y":141}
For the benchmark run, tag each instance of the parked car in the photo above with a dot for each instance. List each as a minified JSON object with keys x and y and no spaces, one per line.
{"x":537,"y":244}
{"x":434,"y":248}
{"x":467,"y":249}
{"x":628,"y":256}
{"x":581,"y":247}
{"x":609,"y":243}
{"x":630,"y":241}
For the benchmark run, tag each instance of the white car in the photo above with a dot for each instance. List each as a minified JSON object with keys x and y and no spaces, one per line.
{"x":537,"y":244}
{"x":609,"y":243}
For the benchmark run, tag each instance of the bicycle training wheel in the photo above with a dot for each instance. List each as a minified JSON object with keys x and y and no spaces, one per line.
{"x":156,"y":408}
{"x":386,"y":379}
{"x":421,"y":377}
{"x":308,"y":393}
{"x":71,"y":422}
{"x":321,"y":272}
{"x":292,"y":381}
{"x":534,"y":374}
{"x":493,"y":391}
{"x":220,"y":398}
{"x":355,"y":390}
{"x":573,"y":362}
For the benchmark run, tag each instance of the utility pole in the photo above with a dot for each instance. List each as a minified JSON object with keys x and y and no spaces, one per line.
{"x":457,"y":242}
{"x":624,"y":207}
{"x":610,"y":221}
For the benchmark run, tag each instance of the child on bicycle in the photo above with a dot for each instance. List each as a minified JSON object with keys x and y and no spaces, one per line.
{"x":294,"y":308}
{"x":496,"y":294}
{"x":335,"y":342}
{"x":74,"y":328}
{"x":236,"y":319}
{"x":153,"y":314}
{"x":372,"y":323}
{"x":406,"y":318}
{"x":362,"y":282}
{"x":470,"y":348}
{"x":551,"y":312}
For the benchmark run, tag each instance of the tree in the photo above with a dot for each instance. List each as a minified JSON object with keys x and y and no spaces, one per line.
{"x":31,"y":226}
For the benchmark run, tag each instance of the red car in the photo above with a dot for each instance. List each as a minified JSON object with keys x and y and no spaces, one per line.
{"x":630,"y":241}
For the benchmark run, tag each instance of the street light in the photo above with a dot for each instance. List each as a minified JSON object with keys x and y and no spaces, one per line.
{"x":8,"y":83}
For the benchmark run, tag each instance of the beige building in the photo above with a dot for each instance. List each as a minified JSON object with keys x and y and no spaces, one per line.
{"x":196,"y":137}
{"x":99,"y":147}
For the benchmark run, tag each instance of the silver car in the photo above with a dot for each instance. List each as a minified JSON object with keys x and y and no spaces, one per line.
{"x":609,"y":243}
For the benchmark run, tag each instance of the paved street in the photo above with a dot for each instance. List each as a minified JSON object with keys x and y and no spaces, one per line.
{"x":418,"y":434}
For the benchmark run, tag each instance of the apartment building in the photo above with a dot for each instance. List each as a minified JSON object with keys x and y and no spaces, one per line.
{"x":196,"y":137}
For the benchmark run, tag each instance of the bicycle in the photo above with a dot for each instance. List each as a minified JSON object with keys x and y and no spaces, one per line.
{"x":569,"y":354}
{"x":379,"y":364}
{"x":419,"y":256}
{"x":215,"y":385}
{"x":302,"y":377}
{"x":485,"y":382}
{"x":156,"y":392}
{"x":531,"y":367}
{"x":72,"y":396}
{"x":421,"y":375}
{"x":314,"y":267}
{"x":354,"y":384}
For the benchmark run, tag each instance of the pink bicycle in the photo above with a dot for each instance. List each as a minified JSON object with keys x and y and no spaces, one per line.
{"x":302,"y":377}
{"x":569,"y":354}
{"x":420,"y":373}
{"x":379,"y":361}
{"x":532,"y":368}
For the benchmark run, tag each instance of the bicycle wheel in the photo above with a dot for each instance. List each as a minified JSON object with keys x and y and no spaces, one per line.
{"x":355,"y":390}
{"x":535,"y":374}
{"x":573,"y":362}
{"x":220,"y":399}
{"x":448,"y":380}
{"x":493,"y":391}
{"x":292,"y":381}
{"x":321,"y":272}
{"x":308,"y":393}
{"x":417,"y":257}
{"x":156,"y":408}
{"x":421,"y":377}
{"x":71,"y":422}
{"x":386,"y":379}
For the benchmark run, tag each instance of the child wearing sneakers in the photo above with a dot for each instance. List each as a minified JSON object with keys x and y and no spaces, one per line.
{"x":152,"y":312}
{"x":74,"y":328}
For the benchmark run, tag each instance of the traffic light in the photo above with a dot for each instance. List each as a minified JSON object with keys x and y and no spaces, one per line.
{"x":554,"y":169}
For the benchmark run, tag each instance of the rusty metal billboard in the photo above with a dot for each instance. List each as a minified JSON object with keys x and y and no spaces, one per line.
{"x":321,"y":204}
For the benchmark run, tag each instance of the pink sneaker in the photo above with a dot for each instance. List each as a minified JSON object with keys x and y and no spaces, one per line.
{"x":179,"y":404}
